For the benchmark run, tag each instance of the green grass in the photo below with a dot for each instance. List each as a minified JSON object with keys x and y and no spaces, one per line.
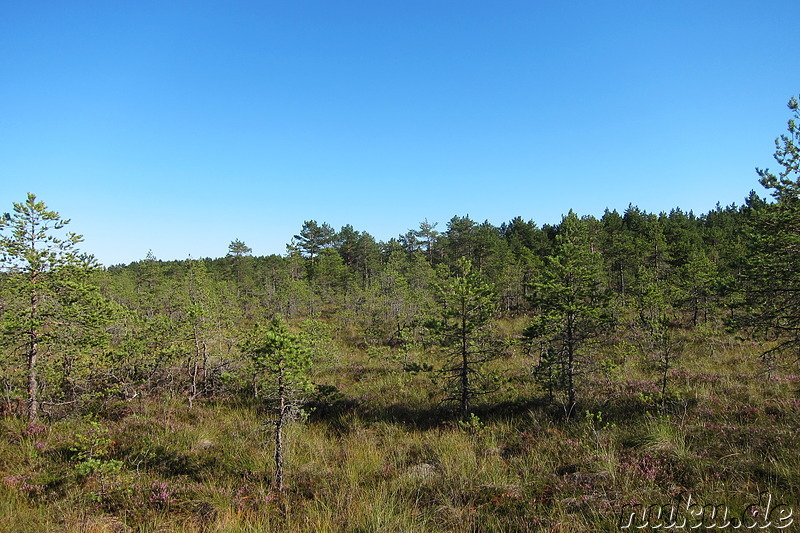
{"x":381,"y":453}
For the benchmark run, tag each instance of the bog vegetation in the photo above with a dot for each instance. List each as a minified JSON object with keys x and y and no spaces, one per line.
{"x":468,"y":377}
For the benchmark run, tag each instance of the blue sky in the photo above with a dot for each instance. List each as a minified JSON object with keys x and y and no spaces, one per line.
{"x":180,"y":126}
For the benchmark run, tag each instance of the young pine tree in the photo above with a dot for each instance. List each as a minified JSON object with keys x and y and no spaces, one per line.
{"x":572,"y":308}
{"x":654,"y":325}
{"x":281,"y":361}
{"x":467,"y":305}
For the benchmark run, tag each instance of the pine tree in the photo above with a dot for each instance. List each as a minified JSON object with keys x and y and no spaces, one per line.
{"x":238,"y":248}
{"x":427,"y":237}
{"x":772,"y":272}
{"x":281,"y":361}
{"x":467,"y":305}
{"x":44,"y":271}
{"x":654,"y":325}
{"x":313,"y":238}
{"x":571,"y":305}
{"x":201,"y":309}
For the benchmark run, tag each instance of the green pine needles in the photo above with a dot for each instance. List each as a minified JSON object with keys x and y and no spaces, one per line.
{"x":46,"y":290}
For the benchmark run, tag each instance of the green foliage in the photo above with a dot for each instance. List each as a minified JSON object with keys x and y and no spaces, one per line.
{"x":50,"y":304}
{"x":92,"y":449}
{"x":281,"y":363}
{"x":312,"y":239}
{"x":571,"y":309}
{"x":238,"y":248}
{"x":461,"y":327}
{"x":472,"y":424}
{"x":772,"y":274}
{"x":279,"y":355}
{"x":31,"y":245}
{"x":427,"y":236}
{"x":785,"y":185}
{"x":655,"y":304}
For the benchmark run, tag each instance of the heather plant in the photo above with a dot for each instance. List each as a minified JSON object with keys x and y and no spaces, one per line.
{"x":522,"y":470}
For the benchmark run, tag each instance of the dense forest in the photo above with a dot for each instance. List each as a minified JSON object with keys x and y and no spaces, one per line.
{"x":458,"y":377}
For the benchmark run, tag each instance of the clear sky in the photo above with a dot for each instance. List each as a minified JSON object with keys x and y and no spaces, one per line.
{"x":180,"y":126}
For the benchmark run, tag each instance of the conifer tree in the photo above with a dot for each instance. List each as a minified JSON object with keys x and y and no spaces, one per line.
{"x":571,"y":306}
{"x":43,"y":269}
{"x":427,"y":236}
{"x":281,"y":362}
{"x":654,"y":325}
{"x":772,"y":273}
{"x":313,"y":238}
{"x":201,"y":308}
{"x":467,"y":305}
{"x":238,"y":248}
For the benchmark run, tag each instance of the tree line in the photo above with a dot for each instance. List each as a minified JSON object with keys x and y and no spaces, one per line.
{"x":77,"y":334}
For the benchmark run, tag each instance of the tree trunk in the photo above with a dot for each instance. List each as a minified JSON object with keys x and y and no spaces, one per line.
{"x":664,"y":381}
{"x":33,"y":383}
{"x":193,"y":391}
{"x":279,"y":433}
{"x":33,"y":347}
{"x":194,"y":366}
{"x":464,"y":362}
{"x":571,"y":364}
{"x":205,"y":367}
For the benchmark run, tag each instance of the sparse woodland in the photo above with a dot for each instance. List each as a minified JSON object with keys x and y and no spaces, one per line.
{"x":461,"y":377}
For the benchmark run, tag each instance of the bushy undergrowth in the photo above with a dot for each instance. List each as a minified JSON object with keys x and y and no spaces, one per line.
{"x":379,"y":452}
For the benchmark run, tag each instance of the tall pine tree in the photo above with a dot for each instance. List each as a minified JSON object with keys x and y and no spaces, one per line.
{"x":772,"y":273}
{"x":44,"y":273}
